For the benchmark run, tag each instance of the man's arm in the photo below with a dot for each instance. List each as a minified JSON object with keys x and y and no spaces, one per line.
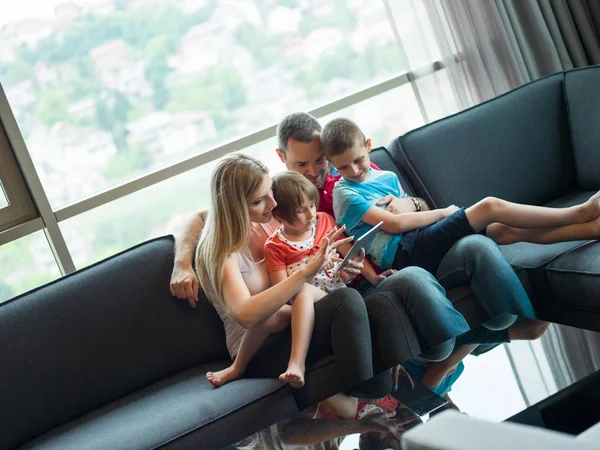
{"x":184,"y":283}
{"x":397,"y":205}
{"x":304,"y":431}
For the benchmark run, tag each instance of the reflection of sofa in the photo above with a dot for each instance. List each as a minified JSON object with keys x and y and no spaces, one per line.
{"x":538,"y":144}
{"x":107,"y":358}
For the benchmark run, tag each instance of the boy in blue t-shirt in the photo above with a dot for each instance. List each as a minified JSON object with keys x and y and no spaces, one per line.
{"x":423,"y":238}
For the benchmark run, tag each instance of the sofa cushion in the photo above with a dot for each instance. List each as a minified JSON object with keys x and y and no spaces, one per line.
{"x":516,"y":147}
{"x":581,"y":92}
{"x":563,"y":275}
{"x":94,"y":336}
{"x":183,"y":410}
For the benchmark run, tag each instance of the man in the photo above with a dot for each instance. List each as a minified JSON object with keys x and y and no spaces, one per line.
{"x":474,"y":259}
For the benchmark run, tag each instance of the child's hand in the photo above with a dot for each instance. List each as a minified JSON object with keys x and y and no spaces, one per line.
{"x":353,"y":268}
{"x":326,"y":253}
{"x":331,"y":264}
{"x":450,"y":210}
{"x":382,"y":276}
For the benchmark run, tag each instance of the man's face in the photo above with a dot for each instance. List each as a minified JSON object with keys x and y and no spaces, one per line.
{"x":306,"y":158}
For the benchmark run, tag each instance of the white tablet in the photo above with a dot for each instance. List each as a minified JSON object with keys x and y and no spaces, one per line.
{"x":362,"y":242}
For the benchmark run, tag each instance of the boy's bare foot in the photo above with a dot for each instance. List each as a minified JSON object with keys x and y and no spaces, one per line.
{"x":592,"y":207}
{"x":223,"y":376}
{"x":294,"y":375}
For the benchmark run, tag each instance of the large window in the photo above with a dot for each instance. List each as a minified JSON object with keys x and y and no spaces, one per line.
{"x":105,"y":90}
{"x":25,"y":264}
{"x":16,"y":206}
{"x":114,"y":108}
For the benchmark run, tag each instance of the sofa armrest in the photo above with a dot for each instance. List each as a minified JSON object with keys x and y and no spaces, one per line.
{"x":451,"y":430}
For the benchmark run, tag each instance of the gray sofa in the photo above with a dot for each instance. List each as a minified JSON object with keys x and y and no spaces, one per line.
{"x":538,"y":144}
{"x":107,"y":358}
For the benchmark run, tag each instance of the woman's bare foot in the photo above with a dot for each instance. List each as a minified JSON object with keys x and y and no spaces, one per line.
{"x":294,"y":375}
{"x":223,"y":376}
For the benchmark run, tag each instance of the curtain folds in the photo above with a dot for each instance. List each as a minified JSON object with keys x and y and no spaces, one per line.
{"x":486,"y":48}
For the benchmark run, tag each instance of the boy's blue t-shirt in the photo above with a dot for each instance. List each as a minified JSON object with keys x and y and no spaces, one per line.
{"x":351,"y":201}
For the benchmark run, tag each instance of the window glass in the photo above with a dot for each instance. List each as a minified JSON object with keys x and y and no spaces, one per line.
{"x":3,"y":200}
{"x":151,"y":212}
{"x":107,"y":90}
{"x":157,"y":210}
{"x":25,"y":264}
{"x":385,"y":116}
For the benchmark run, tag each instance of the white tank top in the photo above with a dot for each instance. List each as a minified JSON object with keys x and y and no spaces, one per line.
{"x":257,"y":280}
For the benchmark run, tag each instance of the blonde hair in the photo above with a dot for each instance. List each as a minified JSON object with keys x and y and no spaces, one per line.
{"x":289,"y":190}
{"x":227,"y":228}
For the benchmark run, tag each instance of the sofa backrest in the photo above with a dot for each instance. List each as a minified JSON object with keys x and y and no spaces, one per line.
{"x":516,"y":146}
{"x":582,"y":92}
{"x":94,"y":336}
{"x":383,"y":159}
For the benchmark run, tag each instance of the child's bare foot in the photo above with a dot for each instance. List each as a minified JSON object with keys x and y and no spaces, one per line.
{"x":223,"y":376}
{"x":294,"y":375}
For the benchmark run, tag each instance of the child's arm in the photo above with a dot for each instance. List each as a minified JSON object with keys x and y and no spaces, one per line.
{"x":401,"y":223}
{"x":277,"y":276}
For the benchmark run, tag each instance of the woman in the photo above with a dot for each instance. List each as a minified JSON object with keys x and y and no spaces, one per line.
{"x":231,"y":270}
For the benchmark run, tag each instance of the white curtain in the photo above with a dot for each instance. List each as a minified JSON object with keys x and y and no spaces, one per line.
{"x":485,"y":48}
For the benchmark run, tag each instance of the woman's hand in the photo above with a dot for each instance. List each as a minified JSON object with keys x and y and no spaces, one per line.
{"x":326,"y":253}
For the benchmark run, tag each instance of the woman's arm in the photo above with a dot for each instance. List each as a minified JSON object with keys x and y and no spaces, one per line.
{"x":249,"y":310}
{"x":401,"y":223}
{"x":277,"y":276}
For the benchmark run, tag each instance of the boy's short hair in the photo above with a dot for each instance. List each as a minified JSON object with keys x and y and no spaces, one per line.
{"x":300,"y":126}
{"x":339,"y":135}
{"x":289,"y":189}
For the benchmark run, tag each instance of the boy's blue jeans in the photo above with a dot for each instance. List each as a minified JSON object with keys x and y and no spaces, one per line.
{"x":474,"y":260}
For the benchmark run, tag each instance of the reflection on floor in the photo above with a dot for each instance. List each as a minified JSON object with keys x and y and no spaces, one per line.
{"x":495,"y":385}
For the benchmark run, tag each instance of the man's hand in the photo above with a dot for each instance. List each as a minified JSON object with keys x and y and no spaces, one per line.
{"x":184,"y":284}
{"x":382,"y":276}
{"x":397,"y":205}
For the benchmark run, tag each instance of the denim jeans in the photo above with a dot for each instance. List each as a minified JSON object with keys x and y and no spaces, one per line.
{"x":474,"y":260}
{"x":477,"y":260}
